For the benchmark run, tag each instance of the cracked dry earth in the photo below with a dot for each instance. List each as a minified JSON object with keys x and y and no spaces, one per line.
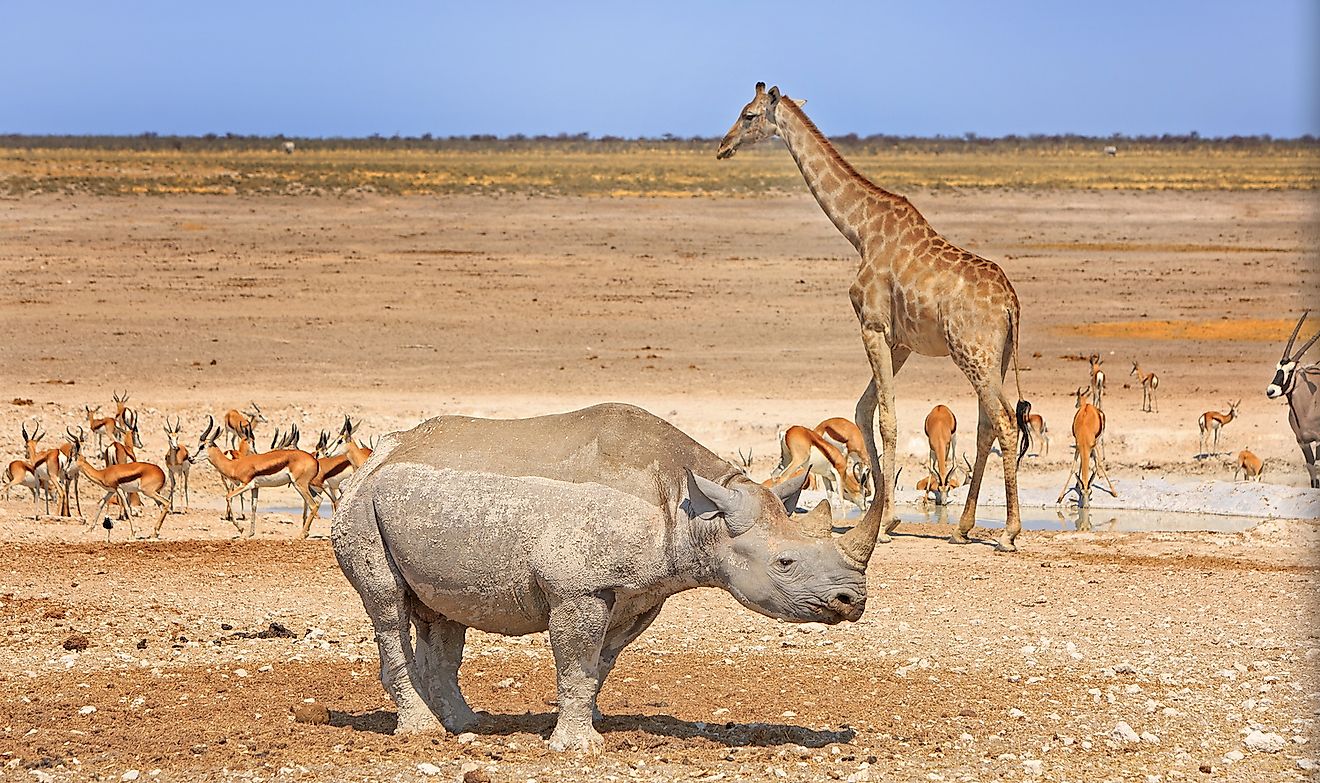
{"x":968,"y":666}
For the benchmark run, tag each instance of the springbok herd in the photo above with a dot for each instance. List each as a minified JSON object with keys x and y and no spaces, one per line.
{"x":53,"y":474}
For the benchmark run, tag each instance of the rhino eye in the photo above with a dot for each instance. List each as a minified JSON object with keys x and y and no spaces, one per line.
{"x":786,"y":561}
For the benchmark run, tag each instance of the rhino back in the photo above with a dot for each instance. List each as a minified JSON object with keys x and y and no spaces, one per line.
{"x":483,"y":549}
{"x":616,"y":445}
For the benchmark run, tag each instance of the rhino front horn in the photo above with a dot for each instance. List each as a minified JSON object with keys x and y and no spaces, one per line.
{"x":857,"y":544}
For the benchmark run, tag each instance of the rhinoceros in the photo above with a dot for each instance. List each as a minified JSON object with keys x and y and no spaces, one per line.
{"x":581,"y":524}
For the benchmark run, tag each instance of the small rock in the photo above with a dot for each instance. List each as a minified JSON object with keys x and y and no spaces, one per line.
{"x":1125,"y":668}
{"x":1016,"y":713}
{"x":1033,"y":768}
{"x":1149,"y":738}
{"x":507,"y":682}
{"x":1206,"y":768}
{"x":1306,"y":764}
{"x":466,"y":737}
{"x":88,"y":710}
{"x":1123,"y":733}
{"x":1259,"y":742}
{"x":1235,"y":755}
{"x":476,"y":776}
{"x":240,"y":672}
{"x":860,"y":776}
{"x":76,"y":641}
{"x":428,"y":769}
{"x":311,"y":713}
{"x":132,"y":774}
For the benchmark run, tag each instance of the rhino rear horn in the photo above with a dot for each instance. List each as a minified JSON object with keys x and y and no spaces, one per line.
{"x":819,"y":521}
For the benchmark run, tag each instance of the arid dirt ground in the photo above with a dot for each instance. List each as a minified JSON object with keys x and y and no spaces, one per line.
{"x":728,"y":316}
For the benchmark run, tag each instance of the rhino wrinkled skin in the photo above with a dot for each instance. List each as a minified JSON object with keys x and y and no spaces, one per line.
{"x":581,"y":524}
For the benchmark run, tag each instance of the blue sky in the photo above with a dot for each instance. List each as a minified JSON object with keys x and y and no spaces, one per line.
{"x":647,"y":68}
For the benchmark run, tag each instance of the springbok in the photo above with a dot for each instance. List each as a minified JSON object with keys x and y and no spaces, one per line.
{"x":801,"y":446}
{"x":1303,"y":399}
{"x":359,"y":454}
{"x":1149,"y":383}
{"x":332,"y":469}
{"x":844,"y":435}
{"x":1097,"y":381}
{"x":178,"y":463}
{"x":237,"y":421}
{"x":1037,"y":432}
{"x":118,"y":481}
{"x":930,"y":485}
{"x":1249,"y":465}
{"x":1088,"y":428}
{"x":53,"y":469}
{"x":251,"y":473}
{"x":1211,"y":422}
{"x":20,"y":473}
{"x":122,"y":418}
{"x":101,"y":427}
{"x":942,"y":434}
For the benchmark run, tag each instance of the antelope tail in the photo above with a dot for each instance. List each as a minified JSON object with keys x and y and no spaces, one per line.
{"x":1023,"y":405}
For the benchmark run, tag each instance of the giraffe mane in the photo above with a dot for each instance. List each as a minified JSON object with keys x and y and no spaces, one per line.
{"x":786,"y":102}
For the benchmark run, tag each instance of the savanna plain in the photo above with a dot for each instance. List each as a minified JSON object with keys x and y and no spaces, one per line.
{"x":396,"y":285}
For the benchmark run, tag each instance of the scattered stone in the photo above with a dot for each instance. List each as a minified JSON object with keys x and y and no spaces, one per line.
{"x":1125,"y":668}
{"x":1206,"y":768}
{"x":1016,"y":713}
{"x":428,"y":769}
{"x":1149,"y":738}
{"x":88,"y":710}
{"x":1259,"y":742}
{"x":507,"y":682}
{"x":476,"y":776}
{"x":1306,"y":765}
{"x":466,"y":737}
{"x":240,"y":673}
{"x":860,"y":776}
{"x":132,"y":774}
{"x":1033,"y":768}
{"x":311,"y":713}
{"x":1234,"y":755}
{"x":76,"y":642}
{"x":1123,"y":734}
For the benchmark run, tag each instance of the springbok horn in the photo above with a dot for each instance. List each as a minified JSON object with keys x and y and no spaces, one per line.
{"x":1287,"y":351}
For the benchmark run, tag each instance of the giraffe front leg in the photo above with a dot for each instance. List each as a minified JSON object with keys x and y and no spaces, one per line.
{"x":985,"y":437}
{"x":885,"y":362}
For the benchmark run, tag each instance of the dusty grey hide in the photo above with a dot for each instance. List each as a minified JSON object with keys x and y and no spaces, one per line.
{"x":581,"y":524}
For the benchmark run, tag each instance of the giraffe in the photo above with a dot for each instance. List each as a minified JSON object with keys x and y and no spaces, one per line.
{"x":914,"y":291}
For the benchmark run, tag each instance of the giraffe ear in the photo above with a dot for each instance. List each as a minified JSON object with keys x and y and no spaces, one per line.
{"x":774,"y":94}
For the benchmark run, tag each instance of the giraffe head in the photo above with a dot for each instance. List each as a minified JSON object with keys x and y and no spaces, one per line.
{"x":755,"y":123}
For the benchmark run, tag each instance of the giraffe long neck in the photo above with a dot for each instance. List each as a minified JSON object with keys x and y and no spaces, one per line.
{"x":848,"y":199}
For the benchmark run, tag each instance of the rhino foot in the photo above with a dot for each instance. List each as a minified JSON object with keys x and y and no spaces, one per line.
{"x":586,"y":741}
{"x":416,"y":722}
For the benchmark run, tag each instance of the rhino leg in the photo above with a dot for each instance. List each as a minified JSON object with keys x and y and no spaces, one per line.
{"x":439,"y":653}
{"x":578,"y":625}
{"x":618,"y":638}
{"x":370,"y":569}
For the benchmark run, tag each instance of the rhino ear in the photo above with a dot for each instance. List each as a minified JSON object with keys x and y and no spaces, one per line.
{"x":819,"y":521}
{"x":788,"y":491}
{"x":708,"y":500}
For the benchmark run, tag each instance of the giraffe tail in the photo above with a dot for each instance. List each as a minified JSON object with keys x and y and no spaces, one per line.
{"x":1023,"y":405}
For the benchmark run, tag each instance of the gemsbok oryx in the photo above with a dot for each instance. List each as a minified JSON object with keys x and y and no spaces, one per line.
{"x":1211,"y":422}
{"x":1299,"y":386}
{"x":914,"y":291}
{"x":1088,"y":428}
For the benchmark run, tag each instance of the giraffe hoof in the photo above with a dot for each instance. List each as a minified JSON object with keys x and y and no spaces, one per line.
{"x":959,"y":538}
{"x":1003,"y":545}
{"x":883,"y":538}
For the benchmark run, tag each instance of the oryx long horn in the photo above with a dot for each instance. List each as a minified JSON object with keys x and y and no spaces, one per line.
{"x":1287,"y":350}
{"x":1297,"y":356}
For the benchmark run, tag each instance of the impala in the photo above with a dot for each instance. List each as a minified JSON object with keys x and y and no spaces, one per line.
{"x":251,"y":473}
{"x":1097,"y":381}
{"x":1037,"y":432}
{"x":118,"y":480}
{"x":1211,"y":422}
{"x":1088,"y":427}
{"x":801,"y":446}
{"x":1149,"y":383}
{"x":237,"y":421}
{"x":1300,"y":386}
{"x":1249,"y":465}
{"x":941,"y":434}
{"x":178,"y":463}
